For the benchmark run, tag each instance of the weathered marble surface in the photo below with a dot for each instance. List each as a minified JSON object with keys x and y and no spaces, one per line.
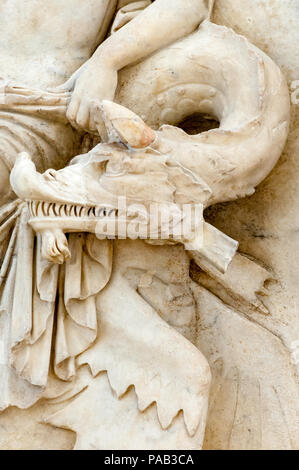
{"x":244,"y":321}
{"x":266,"y":226}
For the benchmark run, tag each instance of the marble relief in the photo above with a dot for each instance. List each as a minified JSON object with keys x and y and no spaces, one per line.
{"x":147,"y":257}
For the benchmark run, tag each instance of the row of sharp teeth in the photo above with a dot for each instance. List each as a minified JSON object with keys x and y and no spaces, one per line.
{"x":55,"y":209}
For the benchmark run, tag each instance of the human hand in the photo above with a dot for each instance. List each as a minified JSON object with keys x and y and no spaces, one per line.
{"x":97,"y":82}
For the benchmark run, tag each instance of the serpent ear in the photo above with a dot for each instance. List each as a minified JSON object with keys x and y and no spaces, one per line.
{"x":124,"y":126}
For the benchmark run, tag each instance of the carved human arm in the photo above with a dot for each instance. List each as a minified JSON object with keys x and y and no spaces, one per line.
{"x":160,"y":24}
{"x":127,"y":12}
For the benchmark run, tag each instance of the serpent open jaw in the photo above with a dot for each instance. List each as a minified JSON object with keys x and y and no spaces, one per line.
{"x":53,"y":220}
{"x":67,"y":200}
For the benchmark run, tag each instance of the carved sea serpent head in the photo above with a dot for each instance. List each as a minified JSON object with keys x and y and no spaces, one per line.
{"x":215,"y":72}
{"x":74,"y":200}
{"x":60,"y":202}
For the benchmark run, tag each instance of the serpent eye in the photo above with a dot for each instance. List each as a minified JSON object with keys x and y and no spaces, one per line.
{"x":50,"y":174}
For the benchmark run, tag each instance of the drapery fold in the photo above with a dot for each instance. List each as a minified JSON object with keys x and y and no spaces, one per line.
{"x":38,"y":296}
{"x":83,"y":277}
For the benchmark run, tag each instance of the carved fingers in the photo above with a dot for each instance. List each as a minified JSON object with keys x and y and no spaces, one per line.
{"x":55,"y":246}
{"x":97,"y":82}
